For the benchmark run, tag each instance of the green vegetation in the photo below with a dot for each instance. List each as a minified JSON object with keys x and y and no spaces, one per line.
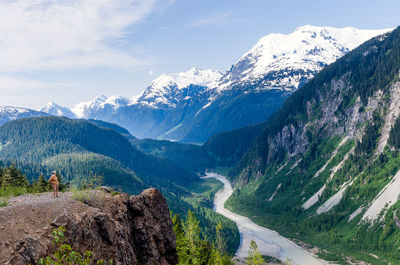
{"x":278,"y":172}
{"x":342,"y":240}
{"x":200,"y":202}
{"x":370,"y":136}
{"x":394,"y":136}
{"x":193,"y":249}
{"x":189,"y":156}
{"x":254,"y":257}
{"x":78,"y":149}
{"x":371,"y":67}
{"x":64,"y":254}
{"x":14,"y":183}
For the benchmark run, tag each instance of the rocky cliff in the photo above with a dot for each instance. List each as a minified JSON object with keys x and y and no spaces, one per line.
{"x":326,"y":166}
{"x":128,"y":230}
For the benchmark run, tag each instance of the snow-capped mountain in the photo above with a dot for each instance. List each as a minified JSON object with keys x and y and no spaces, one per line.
{"x":290,"y":59}
{"x":8,"y":113}
{"x":193,"y":105}
{"x":57,"y":110}
{"x":166,"y":90}
{"x":89,"y":109}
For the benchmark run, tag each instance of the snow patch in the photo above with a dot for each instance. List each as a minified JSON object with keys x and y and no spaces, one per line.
{"x":332,"y":156}
{"x":334,"y":200}
{"x":279,"y":169}
{"x":314,"y":199}
{"x":385,"y":199}
{"x":276,"y":190}
{"x":355,"y":213}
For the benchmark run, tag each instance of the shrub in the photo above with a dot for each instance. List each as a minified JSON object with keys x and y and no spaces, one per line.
{"x":65,"y":255}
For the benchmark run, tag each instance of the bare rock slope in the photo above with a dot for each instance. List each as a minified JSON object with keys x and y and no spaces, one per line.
{"x":128,"y":230}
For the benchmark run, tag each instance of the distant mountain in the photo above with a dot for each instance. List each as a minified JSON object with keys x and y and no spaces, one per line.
{"x":325,"y":166}
{"x":192,"y":106}
{"x":57,"y":110}
{"x":78,"y":148}
{"x":8,"y":113}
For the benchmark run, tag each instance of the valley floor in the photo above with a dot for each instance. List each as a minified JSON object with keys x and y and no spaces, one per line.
{"x":269,"y":242}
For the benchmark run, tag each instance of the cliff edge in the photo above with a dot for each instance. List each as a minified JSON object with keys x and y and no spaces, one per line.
{"x":128,"y":230}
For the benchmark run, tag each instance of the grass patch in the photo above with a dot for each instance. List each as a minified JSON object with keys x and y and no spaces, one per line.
{"x":4,"y":201}
{"x":89,"y":197}
{"x":206,"y":188}
{"x":12,"y":191}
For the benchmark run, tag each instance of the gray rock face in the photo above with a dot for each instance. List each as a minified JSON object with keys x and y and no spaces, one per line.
{"x":128,"y":230}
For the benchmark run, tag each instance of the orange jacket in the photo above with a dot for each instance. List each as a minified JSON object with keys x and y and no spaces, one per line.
{"x":53,"y":180}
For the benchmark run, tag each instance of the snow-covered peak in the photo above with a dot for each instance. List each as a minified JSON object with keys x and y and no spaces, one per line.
{"x":88,"y":108}
{"x":163,"y":88}
{"x":308,"y":49}
{"x":13,"y":110}
{"x":195,"y":76}
{"x":83,"y":109}
{"x":118,"y":101}
{"x":8,"y":113}
{"x":54,"y":109}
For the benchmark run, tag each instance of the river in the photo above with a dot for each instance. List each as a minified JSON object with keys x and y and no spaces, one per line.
{"x":268,"y":241}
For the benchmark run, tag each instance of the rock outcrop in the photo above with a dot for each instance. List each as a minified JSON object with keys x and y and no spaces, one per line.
{"x":128,"y":230}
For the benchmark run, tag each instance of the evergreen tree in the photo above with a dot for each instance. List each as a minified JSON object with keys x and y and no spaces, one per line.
{"x":6,"y":180}
{"x":42,"y":185}
{"x":254,"y":257}
{"x":63,"y":184}
{"x":192,"y":249}
{"x":12,"y":177}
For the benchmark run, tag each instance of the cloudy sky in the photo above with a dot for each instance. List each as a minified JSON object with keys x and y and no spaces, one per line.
{"x":69,"y":51}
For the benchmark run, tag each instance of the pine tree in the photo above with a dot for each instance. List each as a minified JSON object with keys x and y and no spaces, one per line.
{"x":63,"y":184}
{"x":191,"y":229}
{"x":192,"y":249}
{"x":254,"y":257}
{"x":15,"y":177}
{"x":42,"y":185}
{"x":6,"y":180}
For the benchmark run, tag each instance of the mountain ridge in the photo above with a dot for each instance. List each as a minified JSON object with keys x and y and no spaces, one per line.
{"x":185,"y":106}
{"x":324,"y":169}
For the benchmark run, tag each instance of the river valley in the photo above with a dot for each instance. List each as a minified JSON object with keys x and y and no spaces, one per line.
{"x":268,"y":241}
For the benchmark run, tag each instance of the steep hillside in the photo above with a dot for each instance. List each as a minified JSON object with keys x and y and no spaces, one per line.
{"x":41,"y":140}
{"x":78,"y":149}
{"x":189,"y":156}
{"x":325,"y":168}
{"x":192,"y":106}
{"x":222,"y":150}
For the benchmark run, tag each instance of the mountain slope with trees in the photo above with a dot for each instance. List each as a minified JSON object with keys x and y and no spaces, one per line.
{"x":80,"y":150}
{"x":325,"y":166}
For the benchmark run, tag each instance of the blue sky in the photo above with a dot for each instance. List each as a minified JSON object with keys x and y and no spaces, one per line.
{"x":70,"y":51}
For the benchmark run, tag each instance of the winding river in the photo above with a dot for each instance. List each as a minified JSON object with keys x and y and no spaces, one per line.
{"x":268,"y":241}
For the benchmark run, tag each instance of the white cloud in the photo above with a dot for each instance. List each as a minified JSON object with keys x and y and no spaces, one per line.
{"x":216,"y":19}
{"x":9,"y":84}
{"x":17,"y":85}
{"x":64,"y":34}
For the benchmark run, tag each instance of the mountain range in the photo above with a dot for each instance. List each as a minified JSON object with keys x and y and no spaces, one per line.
{"x":194,"y":105}
{"x":325,"y":167}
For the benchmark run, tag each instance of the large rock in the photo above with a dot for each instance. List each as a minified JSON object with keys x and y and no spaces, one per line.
{"x":128,"y":230}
